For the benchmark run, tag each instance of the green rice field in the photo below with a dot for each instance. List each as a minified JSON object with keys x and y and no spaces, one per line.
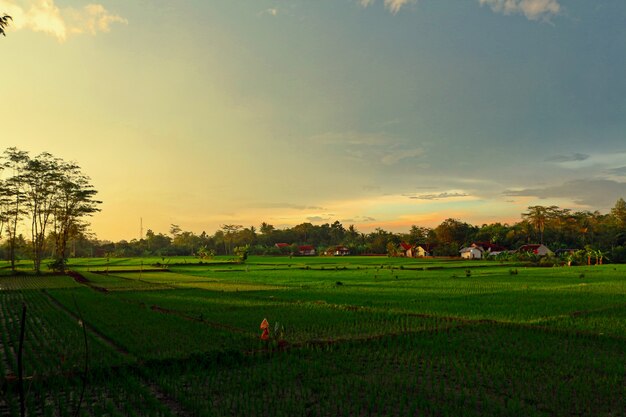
{"x":349,"y":336}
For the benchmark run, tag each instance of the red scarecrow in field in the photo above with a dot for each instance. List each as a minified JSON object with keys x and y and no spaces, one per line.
{"x":265,"y":326}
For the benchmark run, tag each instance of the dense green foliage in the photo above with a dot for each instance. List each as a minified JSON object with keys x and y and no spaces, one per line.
{"x":51,"y":196}
{"x":557,"y":228}
{"x":349,"y":336}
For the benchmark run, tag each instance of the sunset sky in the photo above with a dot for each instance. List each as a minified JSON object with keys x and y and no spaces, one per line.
{"x":378,"y":113}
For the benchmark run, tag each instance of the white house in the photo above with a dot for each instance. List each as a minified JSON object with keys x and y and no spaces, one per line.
{"x":471,"y":252}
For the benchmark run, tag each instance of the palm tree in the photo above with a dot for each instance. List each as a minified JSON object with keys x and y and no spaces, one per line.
{"x":4,"y":22}
{"x":538,"y":216}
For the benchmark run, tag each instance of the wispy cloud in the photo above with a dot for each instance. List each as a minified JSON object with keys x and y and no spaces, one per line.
{"x":359,"y":219}
{"x":315,"y":219}
{"x":532,"y":9}
{"x":620,"y":171}
{"x":438,"y":196}
{"x":46,"y":17}
{"x":568,"y":158}
{"x":393,"y":6}
{"x":591,"y":192}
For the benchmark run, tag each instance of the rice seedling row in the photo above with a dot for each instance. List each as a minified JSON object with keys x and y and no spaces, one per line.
{"x":359,"y":340}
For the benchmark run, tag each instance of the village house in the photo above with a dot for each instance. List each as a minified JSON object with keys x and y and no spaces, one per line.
{"x":472,"y":252}
{"x":537,"y":249}
{"x":406,"y":250}
{"x":306,"y":250}
{"x":338,"y":251}
{"x":424,"y":249}
{"x":488,"y":248}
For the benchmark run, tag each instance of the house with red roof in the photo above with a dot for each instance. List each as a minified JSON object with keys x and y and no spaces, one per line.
{"x":406,"y":249}
{"x":306,"y":250}
{"x":488,"y":248}
{"x":537,"y":249}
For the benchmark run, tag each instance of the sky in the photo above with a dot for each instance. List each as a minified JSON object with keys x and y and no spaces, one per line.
{"x":377,"y":113}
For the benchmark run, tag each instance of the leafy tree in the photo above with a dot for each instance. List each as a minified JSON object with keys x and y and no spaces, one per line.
{"x":619,"y":213}
{"x":206,"y":253}
{"x":175,"y":229}
{"x":352,"y":236}
{"x":454,"y":232}
{"x":303,"y":231}
{"x":76,"y":200}
{"x":417,"y":234}
{"x":4,"y":23}
{"x":379,"y":239}
{"x":157,"y":244}
{"x":230,"y":230}
{"x":494,"y":233}
{"x":4,"y":204}
{"x":246,"y":236}
{"x":186,"y":243}
{"x":242,"y":253}
{"x":337,"y":233}
{"x":266,"y":229}
{"x":392,"y":249}
{"x":267,"y":234}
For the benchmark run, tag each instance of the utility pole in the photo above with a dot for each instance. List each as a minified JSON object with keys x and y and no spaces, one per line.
{"x":140,"y":228}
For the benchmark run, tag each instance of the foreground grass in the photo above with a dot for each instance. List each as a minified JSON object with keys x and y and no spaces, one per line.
{"x":360,"y":336}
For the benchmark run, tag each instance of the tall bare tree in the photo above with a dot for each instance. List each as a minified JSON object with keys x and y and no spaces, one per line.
{"x":13,"y":195}
{"x":42,"y":179}
{"x":75,"y":201}
{"x":230,"y":230}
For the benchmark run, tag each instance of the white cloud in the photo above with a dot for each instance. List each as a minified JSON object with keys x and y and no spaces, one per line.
{"x":532,"y":9}
{"x":393,"y":6}
{"x":46,"y":17}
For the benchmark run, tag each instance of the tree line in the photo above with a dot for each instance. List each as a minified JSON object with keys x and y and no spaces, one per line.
{"x":47,"y":196}
{"x":557,"y":228}
{"x":53,"y":198}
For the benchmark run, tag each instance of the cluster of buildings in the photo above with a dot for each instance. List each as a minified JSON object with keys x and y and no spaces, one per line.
{"x":309,"y":250}
{"x":477,"y":250}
